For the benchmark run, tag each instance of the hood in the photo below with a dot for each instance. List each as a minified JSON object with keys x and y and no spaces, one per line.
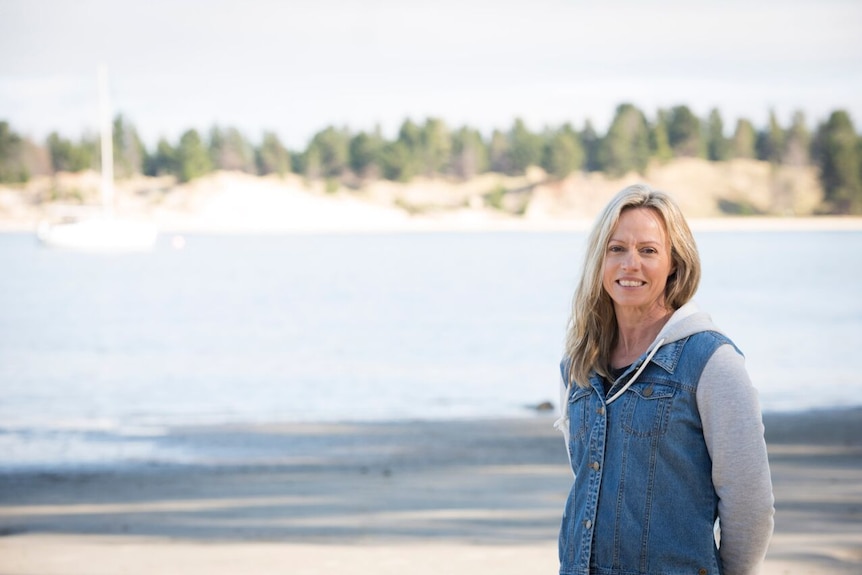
{"x":687,"y":320}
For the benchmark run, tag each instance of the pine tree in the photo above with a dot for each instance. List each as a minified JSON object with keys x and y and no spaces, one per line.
{"x":164,"y":161}
{"x":684,"y":133}
{"x":625,"y":147}
{"x":331,"y":148}
{"x":272,"y":157}
{"x":770,"y":142}
{"x":499,"y":151}
{"x":591,"y":143}
{"x":659,"y":144}
{"x":525,"y":147}
{"x":797,"y":142}
{"x":365,"y":154}
{"x":563,"y":153}
{"x":744,"y":139}
{"x":128,"y":149}
{"x":838,"y":158}
{"x":193,"y":159}
{"x":12,"y":168}
{"x":469,"y":153}
{"x":717,"y":148}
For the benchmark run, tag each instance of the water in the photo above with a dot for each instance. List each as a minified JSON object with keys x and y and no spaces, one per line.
{"x":101,"y":355}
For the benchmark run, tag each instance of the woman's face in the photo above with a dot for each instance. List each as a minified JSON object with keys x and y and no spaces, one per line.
{"x":637,"y":261}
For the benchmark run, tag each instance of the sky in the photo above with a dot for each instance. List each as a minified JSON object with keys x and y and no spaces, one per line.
{"x":295,"y":67}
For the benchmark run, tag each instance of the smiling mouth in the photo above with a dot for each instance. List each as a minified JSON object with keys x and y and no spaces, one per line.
{"x":630,"y":283}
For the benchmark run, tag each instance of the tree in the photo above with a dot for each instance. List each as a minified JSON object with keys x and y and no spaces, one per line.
{"x":409,"y":149}
{"x":272,"y":157}
{"x":129,"y":151}
{"x":499,"y":153}
{"x":398,"y":162}
{"x":163,"y":162}
{"x":563,"y":153}
{"x":683,"y":131}
{"x":60,"y":152}
{"x":193,"y":159}
{"x":69,"y":157}
{"x":436,"y":146}
{"x":744,"y":139}
{"x":625,"y":147}
{"x":525,"y":147}
{"x":659,"y":144}
{"x":797,"y":142}
{"x":770,"y":142}
{"x":717,"y":148}
{"x":365,"y":154}
{"x":229,"y":150}
{"x":469,"y":153}
{"x":332,"y":147}
{"x":310,"y":164}
{"x":591,"y":143}
{"x":12,"y":168}
{"x":838,"y":157}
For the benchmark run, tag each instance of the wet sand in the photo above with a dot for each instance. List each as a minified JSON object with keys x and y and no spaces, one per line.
{"x":433,"y":497}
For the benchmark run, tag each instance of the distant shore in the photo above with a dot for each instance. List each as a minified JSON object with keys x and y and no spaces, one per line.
{"x":455,"y":497}
{"x":709,"y":193}
{"x":467,"y":222}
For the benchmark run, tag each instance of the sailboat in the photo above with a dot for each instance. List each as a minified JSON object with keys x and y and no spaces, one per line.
{"x":105,"y":232}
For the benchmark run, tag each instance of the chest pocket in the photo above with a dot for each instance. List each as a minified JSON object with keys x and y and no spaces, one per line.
{"x":579,"y":403}
{"x":646,"y":408}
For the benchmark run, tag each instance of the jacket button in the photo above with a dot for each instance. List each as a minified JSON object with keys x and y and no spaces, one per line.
{"x":594,"y":465}
{"x":588,"y":523}
{"x":601,"y":410}
{"x":702,"y":572}
{"x":647,"y":393}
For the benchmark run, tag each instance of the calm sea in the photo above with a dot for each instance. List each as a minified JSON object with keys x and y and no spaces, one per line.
{"x":101,"y":354}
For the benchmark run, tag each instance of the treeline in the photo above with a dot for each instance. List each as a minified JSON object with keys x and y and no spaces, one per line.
{"x":433,"y":149}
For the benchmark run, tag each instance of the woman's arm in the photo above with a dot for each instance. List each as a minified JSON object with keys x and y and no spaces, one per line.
{"x":733,"y":430}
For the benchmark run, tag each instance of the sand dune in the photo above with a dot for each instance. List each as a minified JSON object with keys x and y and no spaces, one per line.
{"x":233,"y":202}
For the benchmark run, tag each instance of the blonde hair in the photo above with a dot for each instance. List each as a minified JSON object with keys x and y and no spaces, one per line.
{"x":592,"y":328}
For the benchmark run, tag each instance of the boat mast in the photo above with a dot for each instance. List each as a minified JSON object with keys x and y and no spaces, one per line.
{"x":107,"y":143}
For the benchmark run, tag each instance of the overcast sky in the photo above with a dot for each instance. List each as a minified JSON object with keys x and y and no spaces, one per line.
{"x":296,"y":66}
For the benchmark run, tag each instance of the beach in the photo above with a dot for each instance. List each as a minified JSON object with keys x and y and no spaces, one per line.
{"x":457,"y":497}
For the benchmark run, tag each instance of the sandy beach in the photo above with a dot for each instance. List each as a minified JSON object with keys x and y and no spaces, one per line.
{"x":458,"y":497}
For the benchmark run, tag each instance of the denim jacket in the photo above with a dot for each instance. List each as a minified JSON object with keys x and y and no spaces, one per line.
{"x":643,"y":500}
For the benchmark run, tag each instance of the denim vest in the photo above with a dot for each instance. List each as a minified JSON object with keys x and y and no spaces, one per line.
{"x":642,"y":501}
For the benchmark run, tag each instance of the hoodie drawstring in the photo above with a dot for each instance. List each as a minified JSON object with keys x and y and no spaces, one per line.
{"x":637,"y":373}
{"x":562,"y":423}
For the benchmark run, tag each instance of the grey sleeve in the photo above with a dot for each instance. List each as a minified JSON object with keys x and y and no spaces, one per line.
{"x":562,"y":423}
{"x":733,"y":429}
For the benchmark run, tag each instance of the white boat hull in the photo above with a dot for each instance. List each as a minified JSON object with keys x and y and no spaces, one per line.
{"x":99,"y":234}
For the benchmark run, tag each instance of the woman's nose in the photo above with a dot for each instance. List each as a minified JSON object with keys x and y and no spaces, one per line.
{"x":630,"y":261}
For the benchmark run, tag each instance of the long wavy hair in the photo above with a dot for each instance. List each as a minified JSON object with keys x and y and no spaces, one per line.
{"x":592,"y":330}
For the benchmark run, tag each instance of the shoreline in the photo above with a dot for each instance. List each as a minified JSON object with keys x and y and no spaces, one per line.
{"x":467,"y":223}
{"x":461,"y":497}
{"x":198,"y":446}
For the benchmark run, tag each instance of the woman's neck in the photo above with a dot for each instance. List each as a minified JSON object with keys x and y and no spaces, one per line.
{"x":635,"y":333}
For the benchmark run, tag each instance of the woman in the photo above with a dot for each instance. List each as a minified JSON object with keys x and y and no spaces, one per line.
{"x":662,"y":425}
